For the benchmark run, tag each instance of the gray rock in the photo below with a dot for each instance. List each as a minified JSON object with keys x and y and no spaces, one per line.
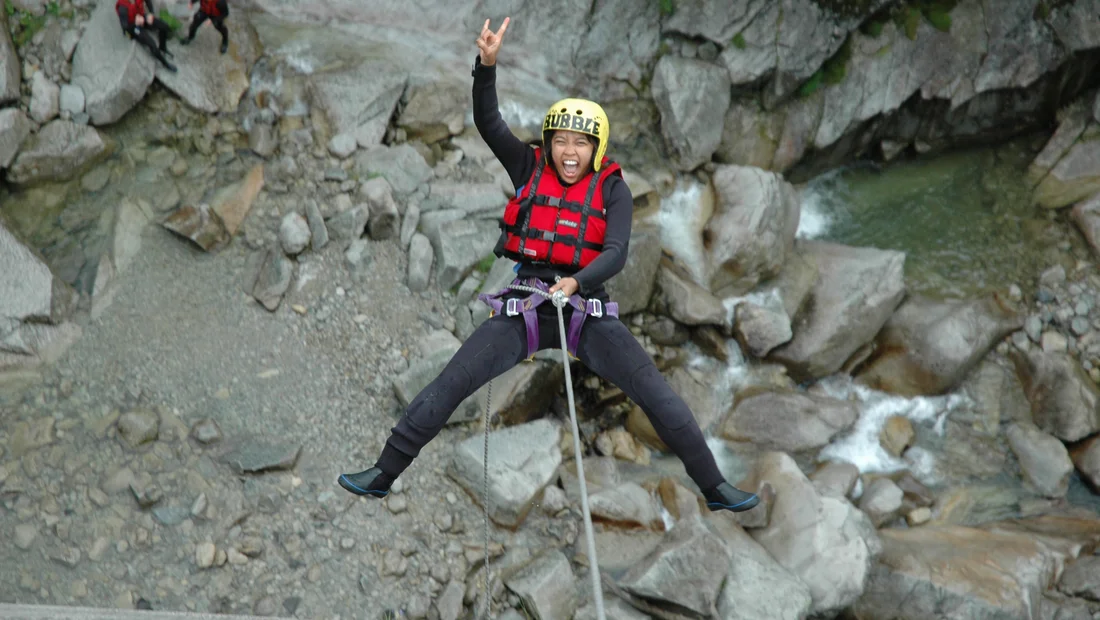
{"x":835,"y":479}
{"x":14,"y":129}
{"x":459,"y":246}
{"x":632,"y":287}
{"x":546,"y":586}
{"x":692,"y":97}
{"x":523,"y":460}
{"x":1082,"y":578}
{"x":435,"y":111}
{"x":788,"y":421}
{"x":342,"y":145}
{"x":824,"y":541}
{"x":138,"y":427}
{"x":359,"y":101}
{"x":1033,"y":326}
{"x":402,"y":166}
{"x":449,"y":603}
{"x":294,"y":233}
{"x":687,"y":569}
{"x":318,"y":232}
{"x":857,"y":291}
{"x":29,"y":291}
{"x":72,"y":99}
{"x":44,"y":98}
{"x":206,"y":431}
{"x":1064,"y":400}
{"x":628,"y":504}
{"x":881,"y":501}
{"x":113,"y":71}
{"x":685,"y":301}
{"x":760,"y":329}
{"x":409,"y":224}
{"x":252,"y":456}
{"x":1086,"y":214}
{"x":1079,"y":326}
{"x":273,"y":279}
{"x":384,"y":221}
{"x":752,"y":229}
{"x":421,"y":257}
{"x":25,"y":533}
{"x":9,"y":65}
{"x":60,"y":151}
{"x":349,"y":225}
{"x":263,"y":140}
{"x":1044,"y":460}
{"x":484,"y":200}
{"x":359,"y":258}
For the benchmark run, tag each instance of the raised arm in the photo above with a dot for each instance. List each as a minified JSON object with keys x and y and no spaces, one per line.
{"x":517,"y":158}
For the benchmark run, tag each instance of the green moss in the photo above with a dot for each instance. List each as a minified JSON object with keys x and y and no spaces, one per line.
{"x":485,"y":264}
{"x":30,"y":25}
{"x":739,"y":41}
{"x":911,"y":23}
{"x":53,"y":8}
{"x":837,"y":67}
{"x":872,"y":28}
{"x":811,"y":85}
{"x":940,"y":20}
{"x":667,"y":7}
{"x":169,"y":19}
{"x":9,"y":8}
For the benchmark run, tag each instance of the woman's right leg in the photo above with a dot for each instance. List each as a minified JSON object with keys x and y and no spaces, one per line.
{"x":496,"y":346}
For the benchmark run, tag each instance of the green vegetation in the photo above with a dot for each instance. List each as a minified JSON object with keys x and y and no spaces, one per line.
{"x":811,"y":85}
{"x":485,"y":264}
{"x":169,"y":19}
{"x":837,"y":67}
{"x":739,"y":41}
{"x":667,"y":7}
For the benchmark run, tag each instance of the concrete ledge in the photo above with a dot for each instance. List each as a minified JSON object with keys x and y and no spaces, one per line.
{"x":51,"y":612}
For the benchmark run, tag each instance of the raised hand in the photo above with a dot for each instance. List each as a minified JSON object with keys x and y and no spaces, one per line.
{"x":489,"y":42}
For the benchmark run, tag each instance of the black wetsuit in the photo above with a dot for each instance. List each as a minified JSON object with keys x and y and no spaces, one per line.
{"x":606,"y":346}
{"x":217,"y":14}
{"x":158,"y":48}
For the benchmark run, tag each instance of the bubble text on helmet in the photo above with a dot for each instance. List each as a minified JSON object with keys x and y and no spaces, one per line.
{"x":571,"y":122}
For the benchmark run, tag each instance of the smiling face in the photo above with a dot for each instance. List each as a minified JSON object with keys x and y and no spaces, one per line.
{"x":571,"y":153}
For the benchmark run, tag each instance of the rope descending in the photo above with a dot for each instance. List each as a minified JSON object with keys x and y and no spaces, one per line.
{"x":559,"y":300}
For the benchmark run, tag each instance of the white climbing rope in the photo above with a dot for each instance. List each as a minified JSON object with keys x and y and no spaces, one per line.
{"x":559,"y":300}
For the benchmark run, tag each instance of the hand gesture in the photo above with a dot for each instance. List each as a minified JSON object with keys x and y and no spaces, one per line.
{"x":489,"y":42}
{"x":140,"y":20}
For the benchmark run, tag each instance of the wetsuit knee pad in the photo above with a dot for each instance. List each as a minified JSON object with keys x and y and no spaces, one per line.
{"x":655,"y":395}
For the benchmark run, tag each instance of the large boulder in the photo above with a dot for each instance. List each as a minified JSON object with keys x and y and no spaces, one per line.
{"x":14,"y":129}
{"x":9,"y":64}
{"x":435,"y":111}
{"x":692,"y":97}
{"x":60,"y":151}
{"x":113,"y":70}
{"x":1086,"y":214}
{"x":523,"y":459}
{"x":632,"y":287}
{"x":989,"y":572}
{"x":856,"y":292}
{"x":1064,"y":400}
{"x":680,"y":298}
{"x":788,"y":421}
{"x":825,"y":542}
{"x":208,"y":80}
{"x":928,"y":346}
{"x":401,"y":165}
{"x":1076,"y":176}
{"x":752,"y":230}
{"x":359,"y":101}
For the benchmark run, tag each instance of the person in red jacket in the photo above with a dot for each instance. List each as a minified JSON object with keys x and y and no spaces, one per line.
{"x":567,"y":228}
{"x":214,"y":10}
{"x":137,"y":18}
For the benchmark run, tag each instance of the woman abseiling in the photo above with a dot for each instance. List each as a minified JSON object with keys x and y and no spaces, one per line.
{"x":568,"y":228}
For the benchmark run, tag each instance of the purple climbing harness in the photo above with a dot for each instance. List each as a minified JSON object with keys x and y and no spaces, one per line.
{"x":527,"y":307}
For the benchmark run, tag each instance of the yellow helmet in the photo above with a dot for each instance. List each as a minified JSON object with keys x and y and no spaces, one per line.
{"x":582,"y":116}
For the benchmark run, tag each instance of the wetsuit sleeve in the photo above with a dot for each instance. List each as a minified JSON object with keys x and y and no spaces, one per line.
{"x":517,"y":158}
{"x":619,"y":210}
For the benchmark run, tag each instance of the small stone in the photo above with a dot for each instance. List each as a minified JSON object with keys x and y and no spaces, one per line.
{"x":440,"y":572}
{"x":1054,"y":342}
{"x":1094,"y":374}
{"x":443,"y":520}
{"x":1053,"y":276}
{"x":1079,"y":326}
{"x":251,"y":546}
{"x":69,"y":556}
{"x":418,"y":608}
{"x":79,"y":589}
{"x":98,"y":497}
{"x":138,"y":427}
{"x":220,"y":558}
{"x":294,"y":233}
{"x":897,"y":435}
{"x":300,"y":309}
{"x":235,"y":557}
{"x":1033,"y":326}
{"x":394,"y":564}
{"x":919,"y":516}
{"x":397,"y":505}
{"x":1020,"y":341}
{"x":451,"y":497}
{"x":204,"y":554}
{"x":206,"y":432}
{"x":267,"y":606}
{"x":347,"y":543}
{"x":25,"y":534}
{"x":198,"y":507}
{"x":1014,"y":293}
{"x":397,"y":486}
{"x":1082,"y":308}
{"x":99,"y":547}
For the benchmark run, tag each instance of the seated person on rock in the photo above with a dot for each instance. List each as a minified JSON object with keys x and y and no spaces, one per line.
{"x":214,"y":10}
{"x":137,"y":18}
{"x":567,"y":228}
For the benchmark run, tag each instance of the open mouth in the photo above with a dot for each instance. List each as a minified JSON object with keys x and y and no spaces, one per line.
{"x":570,"y":167}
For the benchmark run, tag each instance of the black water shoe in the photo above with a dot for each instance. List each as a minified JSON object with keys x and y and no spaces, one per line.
{"x":372,"y":482}
{"x":725,"y":496}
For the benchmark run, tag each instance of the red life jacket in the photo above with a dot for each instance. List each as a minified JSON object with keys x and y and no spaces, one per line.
{"x":210,"y":7}
{"x":133,"y":9}
{"x":550,"y":223}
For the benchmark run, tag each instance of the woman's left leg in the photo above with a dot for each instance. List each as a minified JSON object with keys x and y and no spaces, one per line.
{"x":608,"y":349}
